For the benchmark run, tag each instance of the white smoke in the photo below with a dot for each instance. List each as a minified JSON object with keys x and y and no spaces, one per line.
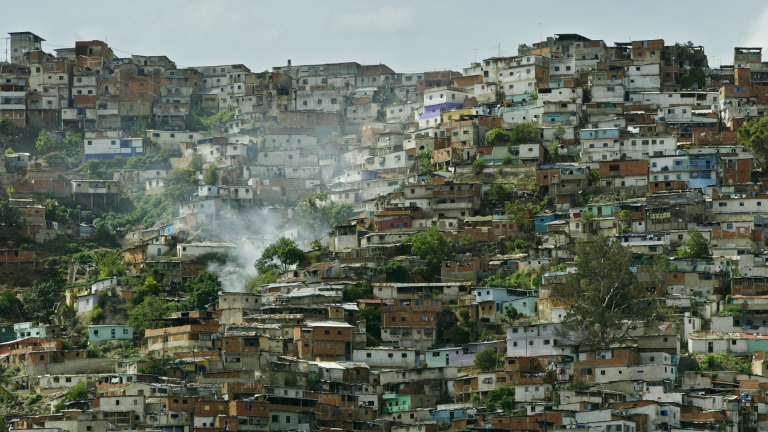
{"x":758,"y":31}
{"x":251,"y":232}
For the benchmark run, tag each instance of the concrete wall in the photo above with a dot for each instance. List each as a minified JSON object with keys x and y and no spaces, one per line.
{"x":73,"y":367}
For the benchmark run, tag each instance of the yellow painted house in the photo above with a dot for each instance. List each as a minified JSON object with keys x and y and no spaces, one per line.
{"x":456,"y":114}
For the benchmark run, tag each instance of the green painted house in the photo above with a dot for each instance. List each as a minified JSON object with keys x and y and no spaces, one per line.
{"x":7,"y":334}
{"x":600,"y":209}
{"x":101,"y":333}
{"x":395,"y":403}
{"x":528,"y":306}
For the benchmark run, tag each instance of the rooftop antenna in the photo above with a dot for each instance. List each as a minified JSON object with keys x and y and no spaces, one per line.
{"x":499,"y":49}
{"x":541,"y":38}
{"x":475,"y":50}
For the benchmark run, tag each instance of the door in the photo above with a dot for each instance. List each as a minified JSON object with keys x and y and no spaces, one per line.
{"x":710,"y":347}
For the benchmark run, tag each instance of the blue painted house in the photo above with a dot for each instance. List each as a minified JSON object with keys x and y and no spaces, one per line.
{"x":540,"y":221}
{"x":112,"y":147}
{"x":445,"y":414}
{"x":703,"y":170}
{"x":599,"y":133}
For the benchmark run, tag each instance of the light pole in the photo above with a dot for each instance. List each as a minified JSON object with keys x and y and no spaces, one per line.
{"x":194,"y":361}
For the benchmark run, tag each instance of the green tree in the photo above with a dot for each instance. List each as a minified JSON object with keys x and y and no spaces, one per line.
{"x":72,"y":140}
{"x":459,"y":335}
{"x":694,"y":75}
{"x":7,"y":127}
{"x":140,"y":127}
{"x":103,"y":236}
{"x":511,"y":314}
{"x":180,"y":184}
{"x":467,"y":241}
{"x":603,"y":297}
{"x":357,"y":292}
{"x":217,"y":119}
{"x":109,"y":263}
{"x":141,"y":316}
{"x":196,"y":162}
{"x":211,"y":176}
{"x":372,"y":317}
{"x":578,"y":385}
{"x":723,"y":362}
{"x":77,"y":392}
{"x":10,"y":220}
{"x":11,"y":307}
{"x":590,"y":226}
{"x":488,"y":360}
{"x":753,"y":135}
{"x":521,"y":214}
{"x":521,"y":280}
{"x":696,"y":248}
{"x":498,"y":193}
{"x":502,"y":397}
{"x":318,"y":213}
{"x":44,"y":142}
{"x":430,"y":246}
{"x":684,"y":54}
{"x":268,"y":277}
{"x":626,"y":221}
{"x":204,"y":291}
{"x":42,"y":300}
{"x":424,"y":162}
{"x":150,"y":288}
{"x":731,"y":310}
{"x":396,"y":271}
{"x":280,"y":255}
{"x":526,"y":133}
{"x":477,"y":166}
{"x":498,"y":137}
{"x":518,"y":246}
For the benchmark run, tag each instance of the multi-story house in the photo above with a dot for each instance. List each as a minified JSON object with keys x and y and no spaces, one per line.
{"x":411,"y":322}
{"x":324,"y":340}
{"x":184,"y":332}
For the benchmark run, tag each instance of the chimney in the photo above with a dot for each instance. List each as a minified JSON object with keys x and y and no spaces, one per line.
{"x":289,"y":63}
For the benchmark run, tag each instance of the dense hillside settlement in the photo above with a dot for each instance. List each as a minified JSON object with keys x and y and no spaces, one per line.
{"x":568,"y":238}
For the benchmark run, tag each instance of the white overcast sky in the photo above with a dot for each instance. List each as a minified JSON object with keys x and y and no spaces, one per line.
{"x":407,"y":36}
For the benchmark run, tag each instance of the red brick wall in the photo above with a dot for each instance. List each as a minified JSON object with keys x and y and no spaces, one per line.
{"x":394,"y":223}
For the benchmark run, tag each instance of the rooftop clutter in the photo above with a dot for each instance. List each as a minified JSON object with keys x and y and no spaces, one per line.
{"x":572,"y":237}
